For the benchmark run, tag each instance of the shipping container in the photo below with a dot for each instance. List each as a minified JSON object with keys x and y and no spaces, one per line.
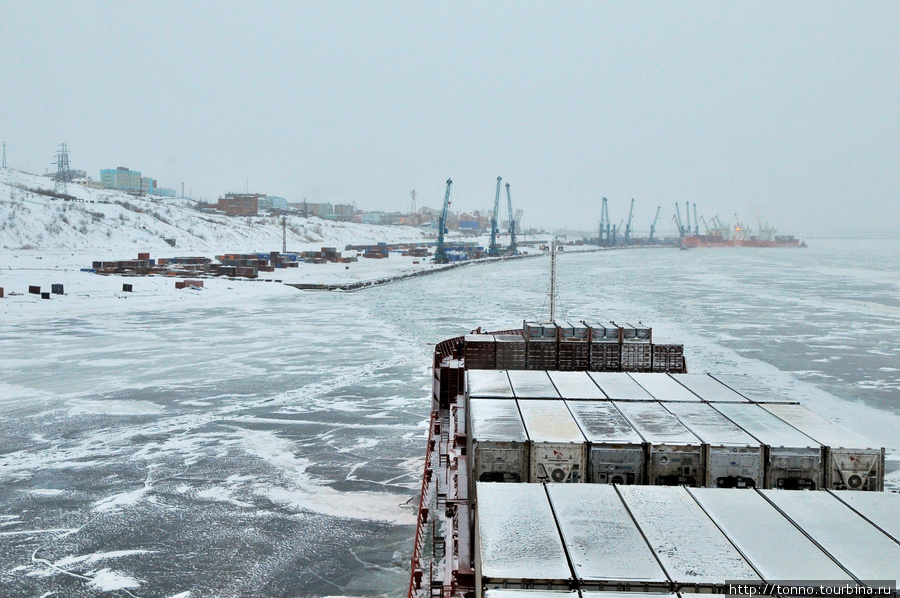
{"x":540,"y":330}
{"x":532,"y":384}
{"x":733,"y":458}
{"x":851,"y":461}
{"x":793,"y":460}
{"x":742,"y":515}
{"x":753,"y":388}
{"x":619,"y":386}
{"x":663,"y":388}
{"x":508,"y":593}
{"x":517,"y":542}
{"x":694,"y":552}
{"x":557,"y":446}
{"x":497,"y":448}
{"x":637,"y":332}
{"x":881,"y":509}
{"x":480,"y":351}
{"x":576,"y":385}
{"x":574,"y":347}
{"x":510,"y":351}
{"x":709,"y":389}
{"x":488,"y":384}
{"x":57,"y":289}
{"x":541,"y":354}
{"x":862,"y":549}
{"x":606,"y":348}
{"x":675,"y":455}
{"x":604,"y":545}
{"x":668,"y":358}
{"x":615,"y":451}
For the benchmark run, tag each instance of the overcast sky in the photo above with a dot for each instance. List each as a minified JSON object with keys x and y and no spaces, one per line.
{"x":784,"y":112}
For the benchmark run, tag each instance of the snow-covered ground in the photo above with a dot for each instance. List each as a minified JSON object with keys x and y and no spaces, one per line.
{"x":251,"y":439}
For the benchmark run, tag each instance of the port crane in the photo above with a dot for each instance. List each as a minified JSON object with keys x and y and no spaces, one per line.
{"x":653,"y":226}
{"x":440,"y":255}
{"x":678,"y":220}
{"x":512,"y":224}
{"x":628,"y":226}
{"x":494,"y":249}
{"x":604,"y":222}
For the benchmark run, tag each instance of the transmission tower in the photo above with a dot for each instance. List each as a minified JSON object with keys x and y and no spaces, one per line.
{"x":62,"y":170}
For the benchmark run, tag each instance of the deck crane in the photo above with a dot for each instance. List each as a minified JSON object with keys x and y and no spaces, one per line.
{"x":494,"y":249}
{"x":440,"y":256}
{"x":628,"y":226}
{"x":512,"y":224}
{"x":653,"y":226}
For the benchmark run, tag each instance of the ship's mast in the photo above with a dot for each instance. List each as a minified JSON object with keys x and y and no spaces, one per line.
{"x":553,"y":280}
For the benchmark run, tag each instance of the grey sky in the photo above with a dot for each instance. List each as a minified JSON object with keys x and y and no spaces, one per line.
{"x":782,"y":111}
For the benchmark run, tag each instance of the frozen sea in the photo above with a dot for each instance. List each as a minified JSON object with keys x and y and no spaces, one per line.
{"x":255,"y":440}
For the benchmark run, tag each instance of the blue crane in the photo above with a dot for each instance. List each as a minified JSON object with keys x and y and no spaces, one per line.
{"x":512,"y":224}
{"x":440,"y":256}
{"x":494,"y":249}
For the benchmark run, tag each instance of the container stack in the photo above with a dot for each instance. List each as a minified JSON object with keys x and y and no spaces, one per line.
{"x":606,"y":347}
{"x":509,"y":351}
{"x":574,"y":347}
{"x":637,"y":348}
{"x":480,"y":352}
{"x":540,"y":345}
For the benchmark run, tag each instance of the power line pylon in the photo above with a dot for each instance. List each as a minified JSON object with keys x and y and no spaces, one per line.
{"x":62,"y":170}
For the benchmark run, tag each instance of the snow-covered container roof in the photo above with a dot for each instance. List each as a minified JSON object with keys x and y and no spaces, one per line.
{"x":818,"y":428}
{"x":753,"y":388}
{"x":688,"y":544}
{"x":532,"y":384}
{"x":764,"y":426}
{"x":576,"y":385}
{"x":511,"y":593}
{"x":497,"y":420}
{"x":601,"y":422}
{"x":620,"y":386}
{"x":742,"y":514}
{"x":662,"y":388}
{"x":655,"y":424}
{"x":881,"y":508}
{"x":488,"y":384}
{"x":550,"y":421}
{"x":709,"y":425}
{"x":865,"y":551}
{"x":709,"y":389}
{"x":600,"y":536}
{"x":518,"y":537}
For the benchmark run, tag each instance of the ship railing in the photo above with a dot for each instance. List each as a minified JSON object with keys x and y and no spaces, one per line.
{"x":422,"y":518}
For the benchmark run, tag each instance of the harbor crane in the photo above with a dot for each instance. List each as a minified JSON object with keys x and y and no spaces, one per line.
{"x":494,"y":249}
{"x":440,"y":255}
{"x":604,"y":222}
{"x":512,"y":224}
{"x":653,"y":226}
{"x":678,"y":220}
{"x":628,"y":226}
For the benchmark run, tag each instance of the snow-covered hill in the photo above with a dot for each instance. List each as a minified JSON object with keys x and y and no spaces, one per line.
{"x":111,"y":220}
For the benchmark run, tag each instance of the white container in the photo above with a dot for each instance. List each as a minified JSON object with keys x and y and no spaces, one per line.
{"x":497,"y":443}
{"x":793,"y":460}
{"x":861,"y":548}
{"x":734,"y":458}
{"x":615,"y":450}
{"x":576,"y":385}
{"x":753,"y":388}
{"x":605,"y":547}
{"x":709,"y":389}
{"x":517,"y":543}
{"x":880,"y":508}
{"x":557,"y":446}
{"x":619,"y":386}
{"x":851,"y":462}
{"x":675,"y":455}
{"x":663,"y":388}
{"x":741,"y":515}
{"x":532,"y":384}
{"x":692,"y":550}
{"x":490,"y":384}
